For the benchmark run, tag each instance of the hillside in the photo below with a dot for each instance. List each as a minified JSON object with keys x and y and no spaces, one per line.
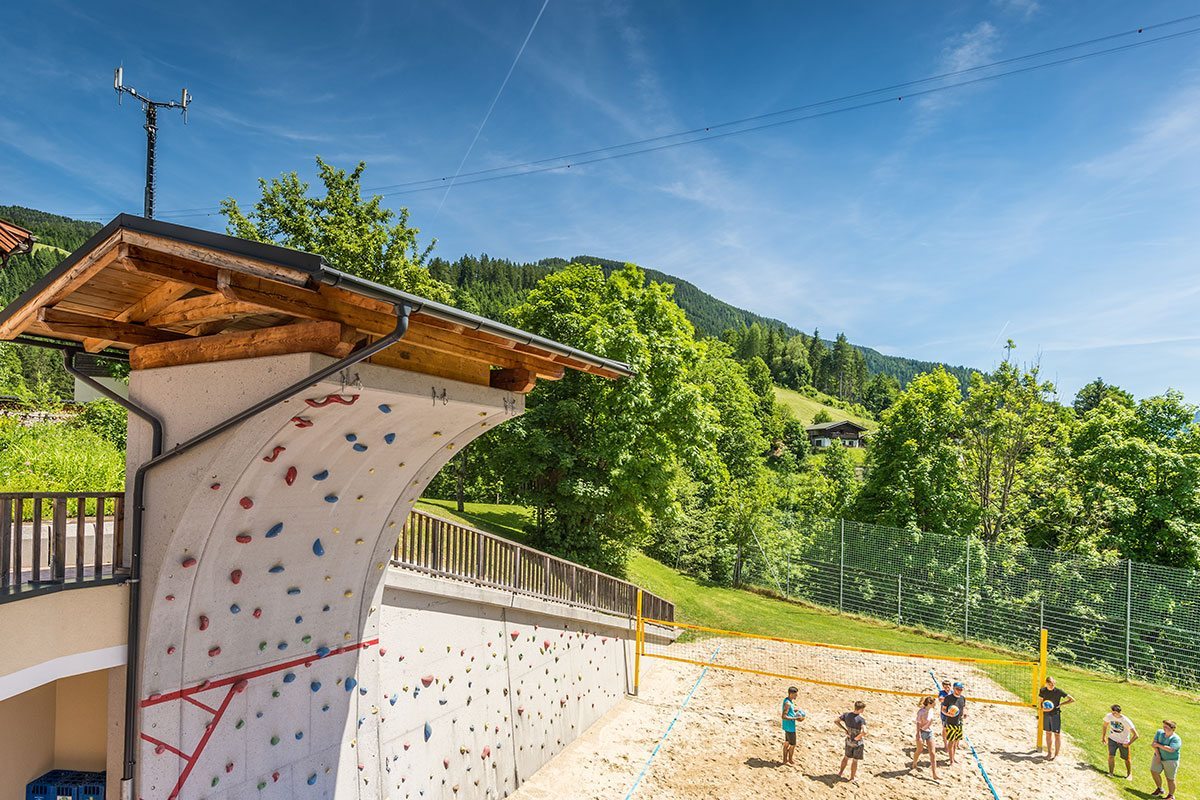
{"x":492,"y":286}
{"x":805,"y":407}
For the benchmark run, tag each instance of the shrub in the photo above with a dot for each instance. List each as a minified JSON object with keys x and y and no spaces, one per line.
{"x":105,"y":418}
{"x":58,"y":457}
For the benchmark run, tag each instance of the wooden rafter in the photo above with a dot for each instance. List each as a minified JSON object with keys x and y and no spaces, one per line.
{"x":330,"y":338}
{"x":84,"y":325}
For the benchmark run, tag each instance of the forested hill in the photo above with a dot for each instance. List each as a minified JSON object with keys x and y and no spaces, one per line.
{"x":490,"y":286}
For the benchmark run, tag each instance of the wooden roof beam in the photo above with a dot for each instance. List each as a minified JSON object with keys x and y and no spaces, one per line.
{"x":83,"y":326}
{"x":329,"y":338}
{"x":206,"y":308}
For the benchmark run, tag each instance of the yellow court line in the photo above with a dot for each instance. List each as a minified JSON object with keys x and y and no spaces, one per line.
{"x":781,"y":676}
{"x":956,"y":659}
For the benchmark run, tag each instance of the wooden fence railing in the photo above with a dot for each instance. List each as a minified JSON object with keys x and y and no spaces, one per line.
{"x":439,"y":547}
{"x":55,"y":539}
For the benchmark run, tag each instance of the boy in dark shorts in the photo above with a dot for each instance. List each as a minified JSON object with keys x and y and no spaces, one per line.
{"x":789,"y":716}
{"x":855,"y":727}
{"x":1053,"y":699}
{"x":954,"y":708}
{"x":1119,"y":733}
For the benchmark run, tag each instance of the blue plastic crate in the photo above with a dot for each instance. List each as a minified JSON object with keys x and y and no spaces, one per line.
{"x":66,"y":784}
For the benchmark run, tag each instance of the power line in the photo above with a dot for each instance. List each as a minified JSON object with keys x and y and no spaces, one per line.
{"x":706,"y":133}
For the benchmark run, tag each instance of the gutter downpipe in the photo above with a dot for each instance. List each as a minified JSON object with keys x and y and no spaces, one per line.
{"x":139,"y":507}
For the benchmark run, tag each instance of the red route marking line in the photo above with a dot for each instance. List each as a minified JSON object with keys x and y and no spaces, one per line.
{"x":184,"y":694}
{"x":197,"y":703}
{"x":158,"y":743}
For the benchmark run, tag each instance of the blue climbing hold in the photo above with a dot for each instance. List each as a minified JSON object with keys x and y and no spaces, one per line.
{"x":275,"y":570}
{"x":392,"y":699}
{"x":299,"y":735}
{"x":389,"y":437}
{"x":360,"y":447}
{"x":428,"y":731}
{"x":283,"y":645}
{"x":312,"y":779}
{"x":294,"y":590}
{"x":315,"y":686}
{"x":318,"y":548}
{"x":350,"y":437}
{"x":235,"y":608}
{"x":331,"y":498}
{"x":322,"y":475}
{"x":276,"y":529}
{"x":325,"y":707}
{"x":322,"y":651}
{"x":291,"y":676}
{"x":385,"y":408}
{"x":299,"y":619}
{"x":350,"y":684}
{"x":326,"y":608}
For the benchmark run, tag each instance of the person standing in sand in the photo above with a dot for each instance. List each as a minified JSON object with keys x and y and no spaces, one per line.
{"x":1053,"y":699}
{"x":789,"y":716}
{"x":854,"y":724}
{"x":925,"y":735}
{"x":1119,"y":734}
{"x":954,"y":709}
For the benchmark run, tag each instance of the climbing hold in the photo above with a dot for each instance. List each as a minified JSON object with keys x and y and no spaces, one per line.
{"x":312,"y":779}
{"x":318,"y":548}
{"x":274,"y":454}
{"x":171,"y":650}
{"x":246,"y":503}
{"x":274,"y":740}
{"x":299,"y":735}
{"x":275,"y":570}
{"x":275,"y":777}
{"x":348,"y":593}
{"x":289,"y":477}
{"x":445,"y":763}
{"x":383,"y":651}
{"x":322,"y":475}
{"x":229,"y":767}
{"x":257,"y":613}
{"x":514,"y":635}
{"x":315,"y":686}
{"x":235,"y":577}
{"x":389,"y":437}
{"x":346,"y":400}
{"x":299,"y":618}
{"x":275,"y":530}
{"x":240,"y":686}
{"x":235,"y":609}
{"x":322,"y":651}
{"x":331,"y":498}
{"x":293,"y":590}
{"x":203,"y":622}
{"x":351,"y":437}
{"x":188,"y":562}
{"x":215,"y":486}
{"x":360,"y":447}
{"x":428,"y":731}
{"x":241,"y":723}
{"x":243,"y":538}
{"x":385,"y":408}
{"x":358,"y":541}
{"x":306,"y":638}
{"x":170,"y":598}
{"x":302,"y":422}
{"x":159,"y":750}
{"x":289,"y":677}
{"x":426,"y":681}
{"x":325,"y":608}
{"x":282,"y":646}
{"x":262,"y":646}
{"x":487,"y":752}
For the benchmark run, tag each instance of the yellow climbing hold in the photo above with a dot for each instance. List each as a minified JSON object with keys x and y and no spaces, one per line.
{"x":349,"y":593}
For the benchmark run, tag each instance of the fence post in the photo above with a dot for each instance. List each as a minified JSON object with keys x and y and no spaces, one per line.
{"x":1041,"y":615}
{"x":967,"y":594}
{"x":899,"y":596}
{"x":787,"y":591}
{"x":842,"y":567}
{"x":1128,"y":610}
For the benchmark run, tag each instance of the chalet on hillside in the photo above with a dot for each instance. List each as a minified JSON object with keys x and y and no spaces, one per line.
{"x":843,"y":432}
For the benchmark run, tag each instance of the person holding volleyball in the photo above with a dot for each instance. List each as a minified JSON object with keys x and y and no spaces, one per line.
{"x":954,"y":709}
{"x":1053,"y":699}
{"x":789,"y":716}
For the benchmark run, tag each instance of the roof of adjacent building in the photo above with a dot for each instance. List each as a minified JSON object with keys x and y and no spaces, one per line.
{"x":170,"y":294}
{"x":825,"y":426}
{"x":14,"y":239}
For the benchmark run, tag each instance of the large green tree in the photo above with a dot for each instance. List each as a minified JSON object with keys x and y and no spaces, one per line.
{"x":356,"y":235}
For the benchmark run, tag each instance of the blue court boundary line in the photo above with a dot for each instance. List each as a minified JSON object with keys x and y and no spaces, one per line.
{"x":967,"y":739}
{"x":667,"y":732}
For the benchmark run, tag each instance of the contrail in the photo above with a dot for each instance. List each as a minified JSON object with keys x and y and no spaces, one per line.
{"x":495,"y":100}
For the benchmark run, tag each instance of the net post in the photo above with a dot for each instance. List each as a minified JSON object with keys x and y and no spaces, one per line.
{"x":1039,"y":679}
{"x":1128,"y":611}
{"x":638,"y":639}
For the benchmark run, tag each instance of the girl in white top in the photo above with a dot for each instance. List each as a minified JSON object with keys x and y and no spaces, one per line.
{"x":924,"y":738}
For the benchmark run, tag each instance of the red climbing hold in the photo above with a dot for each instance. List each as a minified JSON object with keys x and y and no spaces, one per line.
{"x":346,"y":400}
{"x":243,"y":538}
{"x":213,"y":652}
{"x":257,"y":613}
{"x":302,"y":422}
{"x":203,"y":622}
{"x":487,"y":752}
{"x":274,"y":454}
{"x":246,"y":503}
{"x":201,"y":687}
{"x":514,"y":635}
{"x":290,"y":476}
{"x":407,"y":745}
{"x":160,"y":749}
{"x":170,"y":597}
{"x":383,"y":651}
{"x":275,"y":777}
{"x":235,"y":577}
{"x":426,"y":681}
{"x":240,"y":686}
{"x":520,"y":711}
{"x":445,"y":763}
{"x":188,"y":562}
{"x":229,"y":767}
{"x":215,"y":486}
{"x":171,"y":650}
{"x":546,"y":644}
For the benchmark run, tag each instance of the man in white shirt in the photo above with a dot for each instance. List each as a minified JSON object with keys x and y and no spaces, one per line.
{"x":1119,"y":732}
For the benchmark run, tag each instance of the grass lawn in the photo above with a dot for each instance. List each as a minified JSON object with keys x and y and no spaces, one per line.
{"x":805,"y":408}
{"x":712,"y":606}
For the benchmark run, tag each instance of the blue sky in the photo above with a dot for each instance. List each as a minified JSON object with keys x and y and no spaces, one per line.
{"x":1057,"y":207}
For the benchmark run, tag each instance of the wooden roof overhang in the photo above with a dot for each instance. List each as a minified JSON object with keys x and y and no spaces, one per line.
{"x":14,"y":240}
{"x":171,"y":295}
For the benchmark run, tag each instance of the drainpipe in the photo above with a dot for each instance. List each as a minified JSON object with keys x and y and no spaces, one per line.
{"x":138,"y":501}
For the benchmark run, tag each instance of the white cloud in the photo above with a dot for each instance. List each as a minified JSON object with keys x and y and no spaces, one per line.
{"x":1025,"y":9}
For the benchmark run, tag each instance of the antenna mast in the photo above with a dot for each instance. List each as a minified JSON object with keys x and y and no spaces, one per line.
{"x":151,"y":108}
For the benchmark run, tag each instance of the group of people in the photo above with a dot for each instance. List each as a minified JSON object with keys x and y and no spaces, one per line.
{"x":1119,"y":733}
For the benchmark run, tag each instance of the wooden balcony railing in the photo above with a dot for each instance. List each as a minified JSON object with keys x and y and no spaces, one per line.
{"x":438,"y":547}
{"x":56,"y":540}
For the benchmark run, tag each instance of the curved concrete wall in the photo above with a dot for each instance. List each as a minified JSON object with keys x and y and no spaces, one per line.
{"x":263,"y":564}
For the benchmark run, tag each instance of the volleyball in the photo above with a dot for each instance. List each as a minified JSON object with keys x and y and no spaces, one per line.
{"x":1047,"y":705}
{"x":801,"y":713}
{"x":951,"y":711}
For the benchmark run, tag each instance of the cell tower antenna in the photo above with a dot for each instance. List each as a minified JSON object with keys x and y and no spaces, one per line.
{"x":151,"y":108}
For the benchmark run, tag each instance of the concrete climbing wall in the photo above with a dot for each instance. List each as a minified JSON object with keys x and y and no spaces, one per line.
{"x":263,"y":564}
{"x":479,"y":688}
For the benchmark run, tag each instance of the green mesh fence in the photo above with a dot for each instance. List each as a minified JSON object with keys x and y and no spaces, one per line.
{"x":1136,"y":620}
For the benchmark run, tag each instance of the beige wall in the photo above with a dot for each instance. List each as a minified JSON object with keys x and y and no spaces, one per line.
{"x":80,"y":716}
{"x":26,"y":739}
{"x":61,"y":625}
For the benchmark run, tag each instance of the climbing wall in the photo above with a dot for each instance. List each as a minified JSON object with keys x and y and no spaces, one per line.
{"x":264,"y":558}
{"x":477,"y":697}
